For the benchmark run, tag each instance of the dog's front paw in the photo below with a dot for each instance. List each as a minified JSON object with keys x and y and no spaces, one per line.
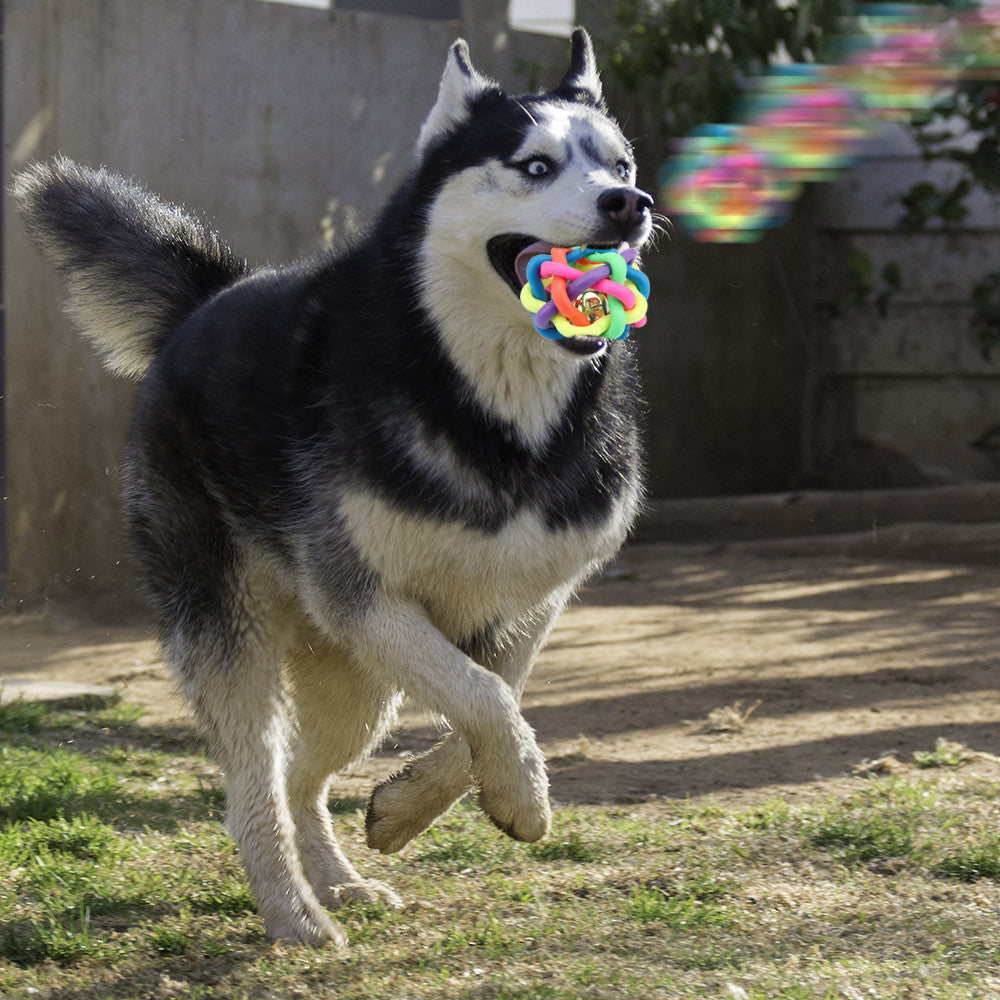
{"x":363,"y":891}
{"x":527,"y":823}
{"x":517,"y":803}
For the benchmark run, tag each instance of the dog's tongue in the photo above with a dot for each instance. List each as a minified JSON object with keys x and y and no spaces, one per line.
{"x":521,"y":261}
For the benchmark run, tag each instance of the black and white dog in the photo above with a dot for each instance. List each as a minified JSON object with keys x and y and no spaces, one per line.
{"x":367,"y":475}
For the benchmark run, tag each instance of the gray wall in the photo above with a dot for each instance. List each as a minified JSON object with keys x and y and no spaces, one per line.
{"x":280,"y":124}
{"x":263,"y":117}
{"x":905,"y":397}
{"x":724,"y":362}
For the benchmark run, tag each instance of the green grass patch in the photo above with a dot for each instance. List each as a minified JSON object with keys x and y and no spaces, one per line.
{"x":858,"y":835}
{"x":571,"y":847}
{"x":689,"y":905}
{"x":81,"y":837}
{"x":889,"y":819}
{"x":769,"y":815}
{"x":970,"y":864}
{"x":946,"y":753}
{"x":42,"y":785}
{"x":22,"y":716}
{"x":118,"y":881}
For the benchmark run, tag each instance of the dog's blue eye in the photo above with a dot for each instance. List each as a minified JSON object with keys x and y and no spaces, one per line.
{"x":536,"y":168}
{"x":622,"y":169}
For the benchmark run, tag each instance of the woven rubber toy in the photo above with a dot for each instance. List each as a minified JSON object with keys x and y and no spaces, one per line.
{"x":576,"y":292}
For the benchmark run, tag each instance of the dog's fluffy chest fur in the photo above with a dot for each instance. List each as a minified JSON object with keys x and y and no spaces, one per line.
{"x":469,"y":578}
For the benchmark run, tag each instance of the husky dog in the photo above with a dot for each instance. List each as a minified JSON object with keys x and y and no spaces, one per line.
{"x":367,"y":475}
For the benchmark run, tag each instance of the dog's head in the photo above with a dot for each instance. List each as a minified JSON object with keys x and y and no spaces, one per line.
{"x":514,"y":176}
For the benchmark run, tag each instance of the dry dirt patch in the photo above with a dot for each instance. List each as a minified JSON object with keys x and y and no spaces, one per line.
{"x":737,"y":671}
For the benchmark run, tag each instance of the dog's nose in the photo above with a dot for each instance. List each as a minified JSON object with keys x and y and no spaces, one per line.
{"x":624,"y":208}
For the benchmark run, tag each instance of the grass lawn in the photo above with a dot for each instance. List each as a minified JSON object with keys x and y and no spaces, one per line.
{"x":117,"y":880}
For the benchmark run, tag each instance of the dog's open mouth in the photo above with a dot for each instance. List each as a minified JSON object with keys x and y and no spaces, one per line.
{"x":509,"y":254}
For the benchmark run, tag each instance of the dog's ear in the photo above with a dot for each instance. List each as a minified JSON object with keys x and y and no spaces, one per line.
{"x":460,"y":86}
{"x":582,"y":81}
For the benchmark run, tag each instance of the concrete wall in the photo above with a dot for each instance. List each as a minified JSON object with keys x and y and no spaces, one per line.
{"x":759,"y":379}
{"x":265,"y":118}
{"x":724,"y":363}
{"x":282,"y":124}
{"x":906,"y":397}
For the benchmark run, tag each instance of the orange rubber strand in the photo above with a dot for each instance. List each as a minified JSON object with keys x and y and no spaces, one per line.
{"x":557,"y":289}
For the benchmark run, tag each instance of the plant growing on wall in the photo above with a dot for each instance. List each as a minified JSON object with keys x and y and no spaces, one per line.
{"x":686,"y":62}
{"x":964,"y":130}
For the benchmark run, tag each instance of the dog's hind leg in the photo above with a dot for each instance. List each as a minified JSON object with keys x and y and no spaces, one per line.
{"x":230,"y":671}
{"x":340,"y":714}
{"x":406,"y":803}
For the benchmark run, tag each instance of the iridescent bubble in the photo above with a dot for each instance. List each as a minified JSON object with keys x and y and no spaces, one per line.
{"x":807,"y":127}
{"x":723,"y":188}
{"x":806,"y":123}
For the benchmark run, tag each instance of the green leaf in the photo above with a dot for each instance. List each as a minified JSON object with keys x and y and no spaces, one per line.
{"x":860,"y":266}
{"x":892,"y":274}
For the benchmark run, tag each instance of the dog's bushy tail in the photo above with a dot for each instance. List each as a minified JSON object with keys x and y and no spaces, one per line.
{"x":134,"y":266}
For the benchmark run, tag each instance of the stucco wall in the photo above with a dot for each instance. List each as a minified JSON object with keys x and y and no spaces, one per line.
{"x":277,"y":123}
{"x":274,"y":121}
{"x":262,"y":117}
{"x":724,"y":363}
{"x":907,"y":396}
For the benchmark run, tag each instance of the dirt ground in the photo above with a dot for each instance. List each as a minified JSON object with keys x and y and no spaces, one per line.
{"x":732,"y":670}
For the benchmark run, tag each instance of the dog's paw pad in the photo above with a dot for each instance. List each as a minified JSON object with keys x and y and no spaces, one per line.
{"x":403,"y":806}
